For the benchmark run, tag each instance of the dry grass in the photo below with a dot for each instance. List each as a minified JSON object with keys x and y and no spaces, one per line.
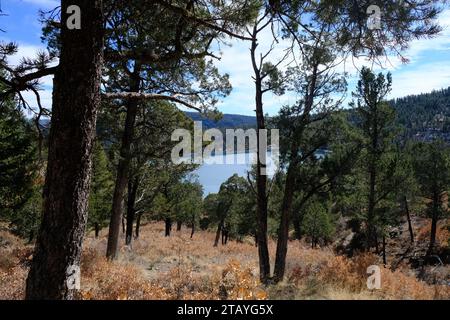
{"x":157,"y":267}
{"x":442,"y":233}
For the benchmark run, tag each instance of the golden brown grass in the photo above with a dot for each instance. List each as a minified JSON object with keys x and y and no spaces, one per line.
{"x":178,"y":267}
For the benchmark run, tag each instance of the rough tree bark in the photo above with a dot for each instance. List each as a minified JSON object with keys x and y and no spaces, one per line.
{"x":76,"y":99}
{"x":123,"y":167}
{"x":132,"y":190}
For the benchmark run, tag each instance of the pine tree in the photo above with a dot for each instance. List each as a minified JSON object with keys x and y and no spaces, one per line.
{"x":432,"y":168}
{"x":379,"y":163}
{"x":101,"y":190}
{"x":17,"y":159}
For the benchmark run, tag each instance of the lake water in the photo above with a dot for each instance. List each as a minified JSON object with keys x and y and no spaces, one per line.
{"x":212,"y":175}
{"x":219,"y":168}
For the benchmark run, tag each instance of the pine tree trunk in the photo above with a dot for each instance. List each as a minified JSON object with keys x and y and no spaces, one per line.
{"x":97,"y":230}
{"x":408,"y":217}
{"x":261,"y":178}
{"x":168,"y":223}
{"x":434,"y":220}
{"x":138,"y":225}
{"x":123,"y":167}
{"x":297,"y":227}
{"x":179,"y":224}
{"x":283,"y":231}
{"x":384,"y":250}
{"x":192,"y":230}
{"x":132,"y":190}
{"x":219,"y":230}
{"x":371,"y":234}
{"x":76,"y":99}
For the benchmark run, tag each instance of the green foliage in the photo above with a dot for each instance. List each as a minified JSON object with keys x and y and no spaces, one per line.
{"x":100,"y":199}
{"x":188,"y":207}
{"x":431,"y":163}
{"x":20,"y":182}
{"x":317,"y":222}
{"x":17,"y":159}
{"x":233,"y":206}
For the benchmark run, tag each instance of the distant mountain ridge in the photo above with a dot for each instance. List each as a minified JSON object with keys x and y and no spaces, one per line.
{"x":228,"y":121}
{"x":423,"y":116}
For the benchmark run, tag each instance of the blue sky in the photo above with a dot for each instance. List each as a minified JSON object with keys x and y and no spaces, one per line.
{"x":429,"y":66}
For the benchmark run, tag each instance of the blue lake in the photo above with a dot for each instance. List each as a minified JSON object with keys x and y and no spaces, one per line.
{"x":212,"y":175}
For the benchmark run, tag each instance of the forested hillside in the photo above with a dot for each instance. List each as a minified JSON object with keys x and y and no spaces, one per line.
{"x":425,"y":116}
{"x":225,"y":121}
{"x":100,"y":195}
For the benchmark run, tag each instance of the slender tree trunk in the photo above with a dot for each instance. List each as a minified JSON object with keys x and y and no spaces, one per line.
{"x":371,"y":228}
{"x":192,"y":230}
{"x":31,"y":236}
{"x":132,"y":190}
{"x":224,"y":236}
{"x":123,"y":167}
{"x":76,"y":99}
{"x":434,"y":220}
{"x":408,"y":217}
{"x":283,"y":231}
{"x":97,"y":230}
{"x":384,"y":250}
{"x":377,"y":247}
{"x":297,"y":227}
{"x":123,"y":223}
{"x":179,"y":224}
{"x":168,"y":223}
{"x":261,"y":178}
{"x":219,"y":230}
{"x":138,"y":225}
{"x":371,"y":234}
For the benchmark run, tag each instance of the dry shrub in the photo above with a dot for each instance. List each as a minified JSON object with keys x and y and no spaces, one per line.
{"x":349,"y":275}
{"x":442,"y":233}
{"x":239,"y":283}
{"x":105,"y":280}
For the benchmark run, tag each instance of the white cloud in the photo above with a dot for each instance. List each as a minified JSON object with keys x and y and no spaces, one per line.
{"x":46,"y":83}
{"x":423,"y":79}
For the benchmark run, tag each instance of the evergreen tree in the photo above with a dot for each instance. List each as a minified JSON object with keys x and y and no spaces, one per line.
{"x":17,"y":159}
{"x":432,"y":169}
{"x":317,"y":222}
{"x":101,"y":190}
{"x":379,"y":164}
